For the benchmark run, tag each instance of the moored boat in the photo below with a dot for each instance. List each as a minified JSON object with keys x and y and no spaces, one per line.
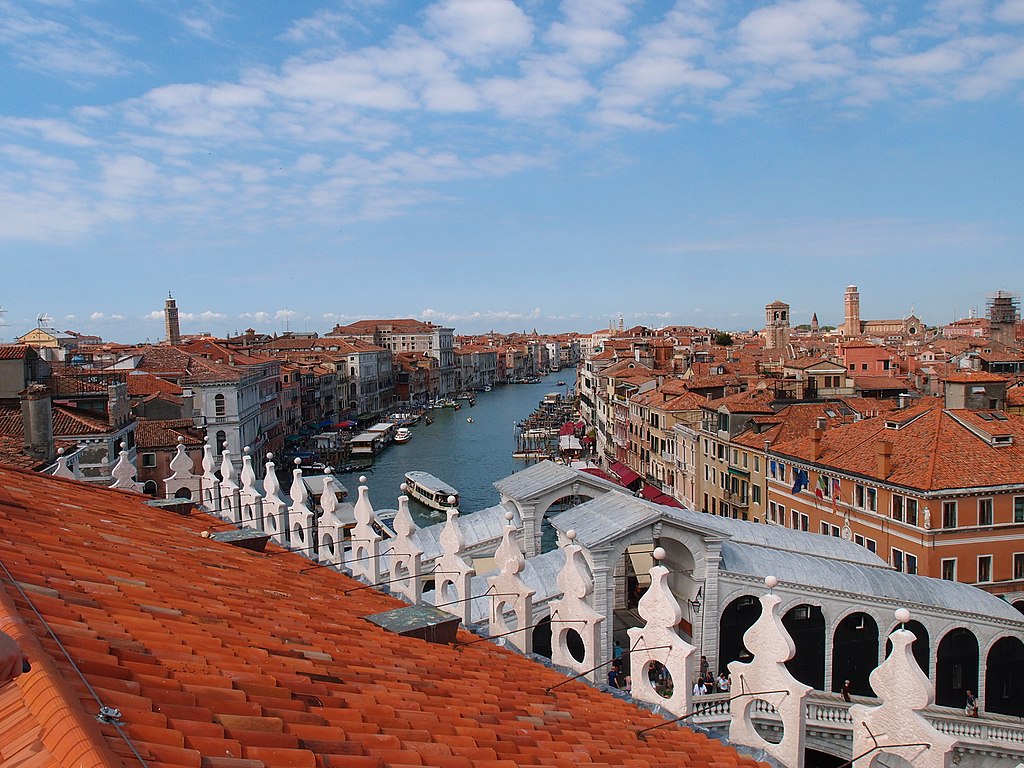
{"x":403,"y":435}
{"x":428,"y":490}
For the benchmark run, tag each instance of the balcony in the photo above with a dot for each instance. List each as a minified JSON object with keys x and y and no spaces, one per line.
{"x":736,"y":499}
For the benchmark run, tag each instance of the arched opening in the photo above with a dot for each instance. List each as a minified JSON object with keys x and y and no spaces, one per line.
{"x":956,"y":668}
{"x":1019,"y":605}
{"x":149,"y":488}
{"x":806,"y":625}
{"x":855,"y":653}
{"x":920,"y":647}
{"x":1004,"y":678}
{"x":183,"y":493}
{"x":222,"y":441}
{"x":542,"y":638}
{"x":548,"y":534}
{"x":219,"y":405}
{"x":736,"y":619}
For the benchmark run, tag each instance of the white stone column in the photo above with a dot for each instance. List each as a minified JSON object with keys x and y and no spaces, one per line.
{"x":365,"y":560}
{"x":275,"y":509}
{"x":658,"y":641}
{"x":572,"y":612}
{"x":453,"y":575}
{"x":766,"y":679}
{"x":405,"y":566}
{"x":510,"y":591}
{"x":905,"y":691}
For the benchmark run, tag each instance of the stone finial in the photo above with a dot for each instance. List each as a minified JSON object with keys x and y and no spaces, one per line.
{"x":181,"y":465}
{"x":572,"y":612}
{"x":772,"y":646}
{"x":510,"y":591}
{"x":405,"y":565}
{"x":904,"y":691}
{"x":300,"y":516}
{"x":329,"y":495}
{"x":227,"y":470}
{"x":454,"y":573}
{"x":62,"y":469}
{"x":658,"y":642}
{"x":124,"y":472}
{"x":275,"y":509}
{"x":249,"y":499}
{"x":365,"y":539}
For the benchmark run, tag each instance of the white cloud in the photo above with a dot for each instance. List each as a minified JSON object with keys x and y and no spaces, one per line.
{"x":1010,"y":12}
{"x":480,"y":28}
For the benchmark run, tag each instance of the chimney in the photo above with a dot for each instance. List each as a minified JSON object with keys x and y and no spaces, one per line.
{"x":816,"y":435}
{"x":883,"y":458}
{"x":37,"y":419}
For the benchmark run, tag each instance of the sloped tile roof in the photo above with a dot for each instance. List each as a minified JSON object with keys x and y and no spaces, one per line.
{"x":933,"y":449}
{"x":217,"y":656}
{"x":13,"y":351}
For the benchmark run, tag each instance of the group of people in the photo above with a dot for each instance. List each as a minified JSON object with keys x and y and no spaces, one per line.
{"x":707,"y":683}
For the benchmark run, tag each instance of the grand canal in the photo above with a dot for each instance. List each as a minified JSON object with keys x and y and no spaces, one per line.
{"x":470,"y":456}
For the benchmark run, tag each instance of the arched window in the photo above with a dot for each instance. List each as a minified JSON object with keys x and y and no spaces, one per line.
{"x":1004,"y":678}
{"x":855,"y":653}
{"x":956,"y":668}
{"x":219,"y":406}
{"x":222,"y":441}
{"x":806,"y":624}
{"x":736,"y":619}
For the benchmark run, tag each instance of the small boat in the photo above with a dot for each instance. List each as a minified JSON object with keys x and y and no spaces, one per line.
{"x":403,"y":435}
{"x":428,"y":421}
{"x":469,"y":419}
{"x":560,"y":383}
{"x":428,"y":490}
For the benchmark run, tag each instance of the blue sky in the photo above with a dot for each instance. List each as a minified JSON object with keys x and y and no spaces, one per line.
{"x":491,"y":164}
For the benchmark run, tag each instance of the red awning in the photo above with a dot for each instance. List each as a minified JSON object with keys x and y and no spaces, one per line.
{"x":624,"y":473}
{"x":602,"y":475}
{"x":650,"y":493}
{"x":667,"y":501}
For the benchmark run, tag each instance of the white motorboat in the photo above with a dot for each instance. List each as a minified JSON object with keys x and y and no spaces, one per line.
{"x":428,"y":490}
{"x":403,"y":435}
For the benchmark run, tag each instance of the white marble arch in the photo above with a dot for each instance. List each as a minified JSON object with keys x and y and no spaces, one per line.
{"x":675,"y":540}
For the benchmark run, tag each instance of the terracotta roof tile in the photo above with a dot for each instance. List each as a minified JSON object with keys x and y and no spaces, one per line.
{"x":224,"y":658}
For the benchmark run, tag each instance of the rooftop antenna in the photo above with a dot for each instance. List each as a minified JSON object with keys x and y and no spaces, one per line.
{"x":43,"y":319}
{"x":3,"y":318}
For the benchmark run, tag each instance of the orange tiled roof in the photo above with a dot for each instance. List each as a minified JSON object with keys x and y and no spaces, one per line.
{"x":13,"y":351}
{"x":164,"y":433}
{"x":933,"y":448}
{"x":218,"y":657}
{"x":975,"y":377}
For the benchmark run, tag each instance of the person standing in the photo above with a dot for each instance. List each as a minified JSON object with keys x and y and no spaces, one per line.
{"x":845,"y":690}
{"x":971,"y":708}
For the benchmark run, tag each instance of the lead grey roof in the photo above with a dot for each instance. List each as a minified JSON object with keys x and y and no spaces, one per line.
{"x":540,"y":575}
{"x":477,"y":528}
{"x":543,"y":476}
{"x":617,"y":514}
{"x":860,"y":579}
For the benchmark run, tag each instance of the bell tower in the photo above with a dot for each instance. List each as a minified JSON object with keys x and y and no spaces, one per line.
{"x":171,"y":328}
{"x":851,"y":303}
{"x":776,"y":325}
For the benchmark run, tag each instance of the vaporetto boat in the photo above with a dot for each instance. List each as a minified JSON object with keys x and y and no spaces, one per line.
{"x":428,"y":490}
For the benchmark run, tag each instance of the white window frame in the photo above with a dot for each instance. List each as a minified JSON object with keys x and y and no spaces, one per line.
{"x":991,"y":511}
{"x":942,"y":568}
{"x":990,"y":567}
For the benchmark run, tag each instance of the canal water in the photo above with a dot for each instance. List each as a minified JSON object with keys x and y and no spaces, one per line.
{"x":470,"y":456}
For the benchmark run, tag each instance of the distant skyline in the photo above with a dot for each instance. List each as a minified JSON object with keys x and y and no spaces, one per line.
{"x":490,"y":164}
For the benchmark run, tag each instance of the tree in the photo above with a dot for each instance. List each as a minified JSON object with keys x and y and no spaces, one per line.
{"x":723,"y":339}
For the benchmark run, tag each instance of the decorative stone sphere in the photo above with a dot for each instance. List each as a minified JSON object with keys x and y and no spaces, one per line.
{"x":124,"y":445}
{"x":771,"y":582}
{"x":296,"y":461}
{"x":247,"y":450}
{"x":329,"y":471}
{"x":60,"y":451}
{"x":659,"y":553}
{"x":902,"y":615}
{"x":362,"y":479}
{"x":451,"y":500}
{"x":181,"y":439}
{"x":570,"y":535}
{"x":270,"y":457}
{"x":508,"y":515}
{"x":404,"y":487}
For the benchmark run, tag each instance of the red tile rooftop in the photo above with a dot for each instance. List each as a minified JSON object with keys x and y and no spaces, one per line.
{"x":221,"y":657}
